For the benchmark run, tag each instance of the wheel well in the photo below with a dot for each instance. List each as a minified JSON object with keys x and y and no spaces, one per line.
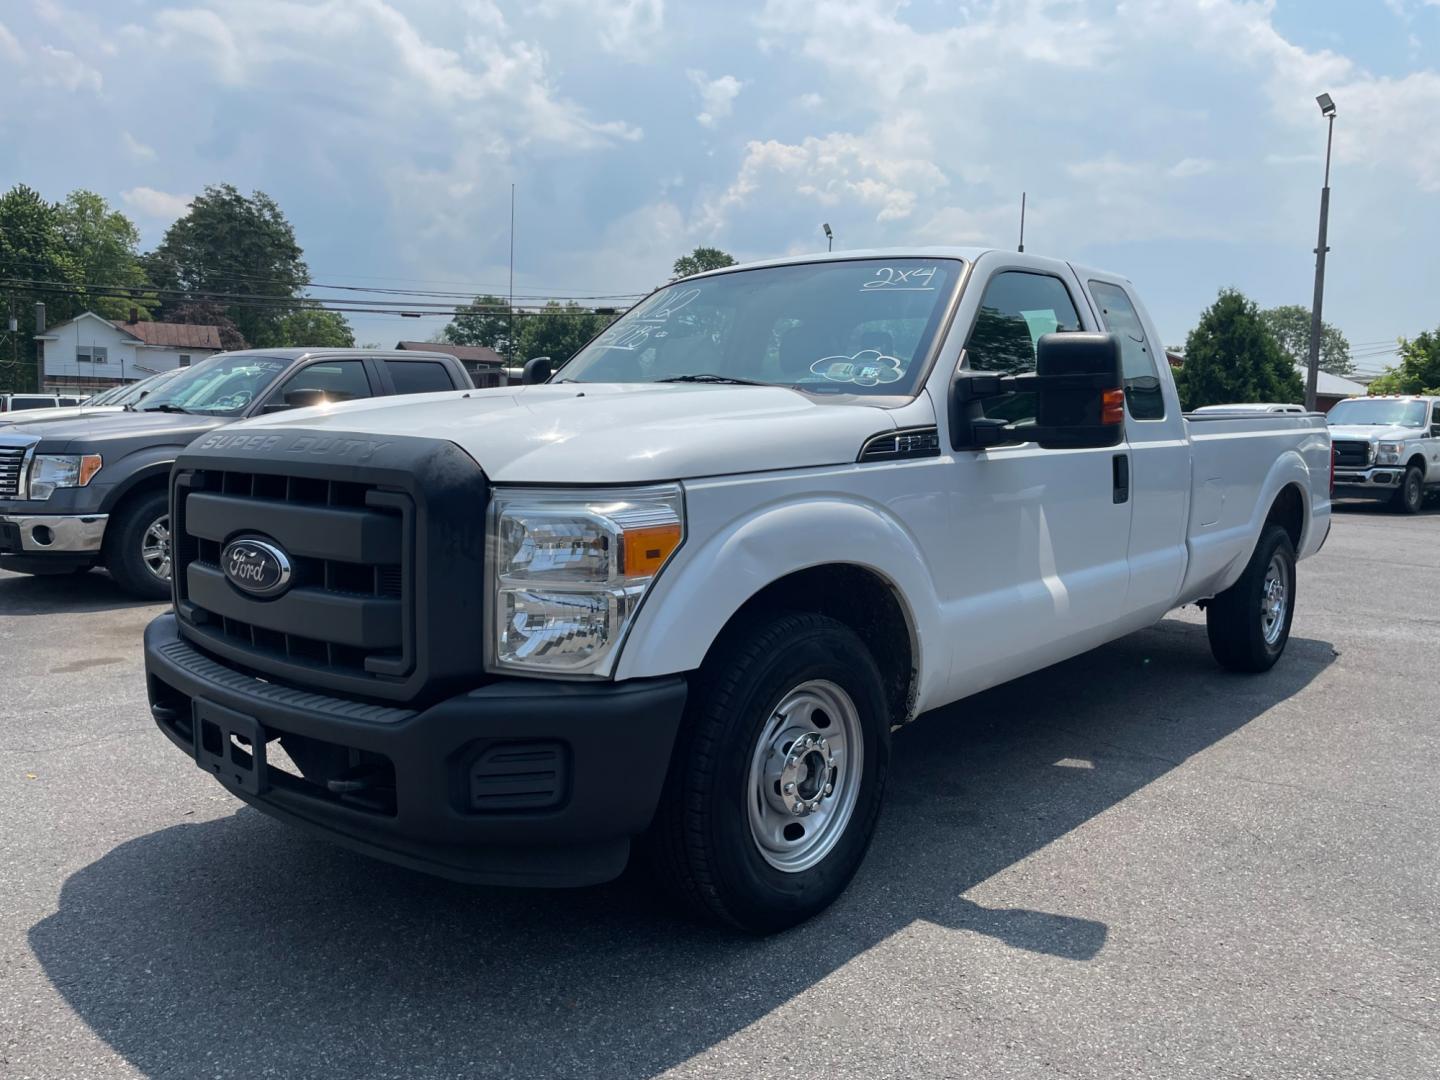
{"x":863,"y":601}
{"x":148,"y":486}
{"x":1418,"y":460}
{"x":1288,"y":511}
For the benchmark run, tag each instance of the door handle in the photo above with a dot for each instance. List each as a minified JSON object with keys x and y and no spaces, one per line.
{"x":1120,"y":475}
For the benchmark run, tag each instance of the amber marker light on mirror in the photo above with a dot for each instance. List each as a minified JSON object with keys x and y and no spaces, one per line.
{"x":1112,"y":407}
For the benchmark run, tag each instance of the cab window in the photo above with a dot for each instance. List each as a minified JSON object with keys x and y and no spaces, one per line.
{"x":326,"y":381}
{"x":1018,"y":307}
{"x":1142,"y":377}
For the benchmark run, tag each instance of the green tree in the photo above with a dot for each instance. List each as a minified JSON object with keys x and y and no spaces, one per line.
{"x":558,"y":331}
{"x":238,"y":250}
{"x":32,"y":249}
{"x":700,"y":260}
{"x":1290,"y":326}
{"x":1419,"y":369}
{"x":1230,"y":357}
{"x":104,"y":247}
{"x":209,"y":314}
{"x":484,"y":321}
{"x":310,"y":326}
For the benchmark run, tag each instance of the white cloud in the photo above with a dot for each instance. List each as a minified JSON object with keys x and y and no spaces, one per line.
{"x":811,"y":100}
{"x":62,"y":68}
{"x":10,"y":46}
{"x":135,"y":148}
{"x":1190,"y":166}
{"x":628,"y":28}
{"x":717,"y":96}
{"x":160,"y":205}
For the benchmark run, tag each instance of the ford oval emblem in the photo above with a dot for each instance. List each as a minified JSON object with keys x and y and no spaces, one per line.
{"x":256,"y":566}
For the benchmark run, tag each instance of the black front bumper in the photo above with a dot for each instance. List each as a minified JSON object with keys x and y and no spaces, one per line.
{"x":519,"y":782}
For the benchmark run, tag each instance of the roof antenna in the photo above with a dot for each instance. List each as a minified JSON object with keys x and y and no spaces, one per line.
{"x":1022,"y":222}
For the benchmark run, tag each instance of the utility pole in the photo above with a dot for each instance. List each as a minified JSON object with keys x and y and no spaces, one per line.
{"x":1312,"y":374}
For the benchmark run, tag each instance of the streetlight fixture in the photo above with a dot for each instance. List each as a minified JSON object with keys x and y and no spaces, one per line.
{"x":1312,"y":375}
{"x":829,"y":237}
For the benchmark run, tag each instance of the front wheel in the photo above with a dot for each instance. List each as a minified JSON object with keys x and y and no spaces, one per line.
{"x":775,"y":784}
{"x":137,"y":547}
{"x":1249,"y":623}
{"x":1409,"y":497}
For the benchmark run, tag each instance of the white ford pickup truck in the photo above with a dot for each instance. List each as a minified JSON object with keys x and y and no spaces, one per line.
{"x":679,"y":596}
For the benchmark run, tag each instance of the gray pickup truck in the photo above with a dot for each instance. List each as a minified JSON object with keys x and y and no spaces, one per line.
{"x":91,"y":491}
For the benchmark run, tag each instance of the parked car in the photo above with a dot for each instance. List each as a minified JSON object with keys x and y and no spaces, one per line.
{"x":684,"y":590}
{"x":112,"y":400}
{"x":91,"y":490}
{"x":1252,"y":406}
{"x":1387,"y":448}
{"x":24,"y":402}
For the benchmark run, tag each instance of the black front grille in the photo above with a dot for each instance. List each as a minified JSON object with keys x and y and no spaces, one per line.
{"x":348,"y":611}
{"x":12,"y":463}
{"x":1351,"y":454}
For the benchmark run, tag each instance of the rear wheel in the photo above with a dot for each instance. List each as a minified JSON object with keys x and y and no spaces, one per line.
{"x":1409,"y":497}
{"x":774,"y":788}
{"x":1249,"y":623}
{"x":137,"y":547}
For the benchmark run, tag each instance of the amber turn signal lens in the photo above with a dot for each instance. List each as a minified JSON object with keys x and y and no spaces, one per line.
{"x":89,"y":466}
{"x":644,"y":550}
{"x":1112,"y":407}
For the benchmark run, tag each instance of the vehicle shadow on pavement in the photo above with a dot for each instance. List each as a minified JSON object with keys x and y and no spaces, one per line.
{"x":52,"y":594}
{"x":240,"y":947}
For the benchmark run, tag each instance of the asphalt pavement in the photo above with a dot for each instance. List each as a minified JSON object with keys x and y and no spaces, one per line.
{"x":1131,"y":864}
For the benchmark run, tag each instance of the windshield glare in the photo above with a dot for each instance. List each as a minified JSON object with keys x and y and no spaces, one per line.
{"x":220,"y":386}
{"x":857,"y":326}
{"x":1378,"y":413}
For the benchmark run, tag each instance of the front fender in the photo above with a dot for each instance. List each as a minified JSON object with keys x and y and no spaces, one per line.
{"x":712,"y":578}
{"x":141,"y":467}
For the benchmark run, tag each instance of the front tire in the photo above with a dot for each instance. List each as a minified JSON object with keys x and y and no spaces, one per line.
{"x":1249,"y":623}
{"x":775,"y":785}
{"x":1409,"y":497}
{"x":137,"y":547}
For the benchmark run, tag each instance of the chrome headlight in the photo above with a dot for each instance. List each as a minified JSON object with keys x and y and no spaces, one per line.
{"x":51,"y":471}
{"x":568,"y":570}
{"x":1390,"y":453}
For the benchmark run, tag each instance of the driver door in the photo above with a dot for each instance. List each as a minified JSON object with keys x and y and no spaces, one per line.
{"x":1039,"y":553}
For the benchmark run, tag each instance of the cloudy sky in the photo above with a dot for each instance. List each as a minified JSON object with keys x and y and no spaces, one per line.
{"x":1176,"y":141}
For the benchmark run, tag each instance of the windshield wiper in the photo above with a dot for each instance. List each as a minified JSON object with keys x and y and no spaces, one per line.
{"x":706,"y":377}
{"x":165,"y":406}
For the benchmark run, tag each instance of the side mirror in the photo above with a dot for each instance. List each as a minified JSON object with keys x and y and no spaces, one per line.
{"x":536,"y":370}
{"x":1079,"y":390}
{"x":1078,"y":385}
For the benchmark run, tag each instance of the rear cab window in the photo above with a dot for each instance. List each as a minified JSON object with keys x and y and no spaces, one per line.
{"x":1143,"y":395}
{"x":419,"y":376}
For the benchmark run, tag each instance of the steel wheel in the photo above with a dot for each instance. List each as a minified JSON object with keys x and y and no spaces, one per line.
{"x":155,"y":547}
{"x":1274,"y":598}
{"x":805,"y":775}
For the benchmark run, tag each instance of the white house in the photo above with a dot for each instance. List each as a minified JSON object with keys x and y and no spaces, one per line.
{"x":92,"y":352}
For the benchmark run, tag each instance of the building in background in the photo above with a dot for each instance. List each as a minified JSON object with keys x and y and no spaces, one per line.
{"x":90,"y":352}
{"x":485,"y":365}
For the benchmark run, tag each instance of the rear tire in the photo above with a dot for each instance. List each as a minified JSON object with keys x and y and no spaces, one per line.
{"x":137,"y":547}
{"x":775,"y":784}
{"x":1409,"y":497}
{"x":1249,"y":623}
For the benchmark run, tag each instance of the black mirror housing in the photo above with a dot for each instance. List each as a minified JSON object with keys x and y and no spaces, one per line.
{"x":537,"y":370}
{"x":1079,"y":390}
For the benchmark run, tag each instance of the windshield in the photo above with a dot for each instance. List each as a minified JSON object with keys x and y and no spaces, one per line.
{"x":856,"y":326}
{"x":1377,"y":412}
{"x":223,"y":385}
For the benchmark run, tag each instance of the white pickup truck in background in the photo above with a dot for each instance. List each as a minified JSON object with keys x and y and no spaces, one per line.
{"x":681,"y":594}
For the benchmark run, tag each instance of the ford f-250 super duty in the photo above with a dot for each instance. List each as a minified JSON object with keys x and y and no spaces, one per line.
{"x":1387,"y":448}
{"x":679,"y":595}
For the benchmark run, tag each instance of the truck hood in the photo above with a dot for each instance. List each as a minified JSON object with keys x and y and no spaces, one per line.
{"x":99,"y":431}
{"x":1368,"y":433}
{"x":617,"y":433}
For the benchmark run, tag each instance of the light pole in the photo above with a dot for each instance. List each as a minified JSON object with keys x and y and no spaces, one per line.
{"x":1327,"y":110}
{"x":829,"y":237}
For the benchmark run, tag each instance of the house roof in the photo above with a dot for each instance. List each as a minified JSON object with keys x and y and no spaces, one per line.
{"x":466,"y":354}
{"x":173,"y":335}
{"x":1327,"y":385}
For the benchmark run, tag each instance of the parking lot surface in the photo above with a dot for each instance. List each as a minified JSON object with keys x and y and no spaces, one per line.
{"x":1131,"y":864}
